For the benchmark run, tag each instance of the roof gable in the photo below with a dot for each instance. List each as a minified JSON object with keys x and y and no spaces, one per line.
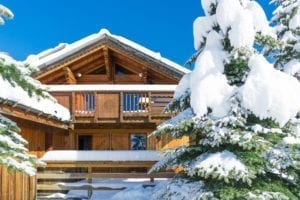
{"x":104,"y":53}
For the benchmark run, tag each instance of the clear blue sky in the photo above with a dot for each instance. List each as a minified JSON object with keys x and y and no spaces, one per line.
{"x":160,"y":25}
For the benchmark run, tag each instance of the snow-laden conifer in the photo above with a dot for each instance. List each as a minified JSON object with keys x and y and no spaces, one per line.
{"x":239,"y":111}
{"x":13,"y":151}
{"x":286,"y":20}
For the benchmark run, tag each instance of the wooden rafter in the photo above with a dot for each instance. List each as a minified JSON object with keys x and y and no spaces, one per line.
{"x":144,"y":75}
{"x":88,"y":68}
{"x":68,"y":62}
{"x":27,"y":114}
{"x":135,"y":64}
{"x":108,"y":63}
{"x":69,"y":76}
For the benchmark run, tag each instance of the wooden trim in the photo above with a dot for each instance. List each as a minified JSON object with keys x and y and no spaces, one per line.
{"x":105,"y":164}
{"x":55,"y":176}
{"x":35,"y":117}
{"x":69,"y":62}
{"x":69,"y":76}
{"x":108,"y":63}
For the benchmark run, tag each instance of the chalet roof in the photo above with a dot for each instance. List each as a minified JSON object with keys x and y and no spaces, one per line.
{"x":50,"y":58}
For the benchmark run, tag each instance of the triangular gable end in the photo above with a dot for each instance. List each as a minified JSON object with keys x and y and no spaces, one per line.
{"x":104,"y":58}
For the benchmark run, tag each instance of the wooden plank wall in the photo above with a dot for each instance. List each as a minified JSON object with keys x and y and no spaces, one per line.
{"x":16,"y":186}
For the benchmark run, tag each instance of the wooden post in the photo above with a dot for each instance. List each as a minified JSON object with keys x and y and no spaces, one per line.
{"x":149,"y":106}
{"x":73,"y":102}
{"x":96,"y":114}
{"x":121,"y":106}
{"x":90,"y":175}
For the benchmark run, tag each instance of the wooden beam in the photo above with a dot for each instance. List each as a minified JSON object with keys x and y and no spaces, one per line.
{"x":34,"y":117}
{"x":93,"y":65}
{"x":68,"y":62}
{"x":144,"y":75}
{"x":135,"y":64}
{"x":69,"y":76}
{"x":108,"y":63}
{"x":104,"y":164}
{"x":55,"y":176}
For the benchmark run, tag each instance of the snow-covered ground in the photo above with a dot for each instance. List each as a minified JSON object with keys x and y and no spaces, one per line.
{"x":135,"y":189}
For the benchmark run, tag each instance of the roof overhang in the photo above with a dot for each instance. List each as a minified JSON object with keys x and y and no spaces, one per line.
{"x":63,"y":55}
{"x":12,"y":108}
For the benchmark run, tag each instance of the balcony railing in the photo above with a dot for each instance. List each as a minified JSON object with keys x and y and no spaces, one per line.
{"x":122,"y":103}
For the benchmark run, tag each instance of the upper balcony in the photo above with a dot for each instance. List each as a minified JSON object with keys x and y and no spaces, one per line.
{"x":115,"y":103}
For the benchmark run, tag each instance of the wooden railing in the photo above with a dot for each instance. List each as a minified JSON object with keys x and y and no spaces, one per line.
{"x":117,"y":105}
{"x":63,"y":172}
{"x":85,"y":104}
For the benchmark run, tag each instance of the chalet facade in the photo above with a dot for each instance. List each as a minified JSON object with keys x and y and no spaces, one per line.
{"x":115,"y":90}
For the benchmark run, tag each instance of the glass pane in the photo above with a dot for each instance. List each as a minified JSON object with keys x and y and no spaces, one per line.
{"x":138,"y":142}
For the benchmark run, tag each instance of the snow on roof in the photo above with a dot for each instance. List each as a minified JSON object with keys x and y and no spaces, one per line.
{"x":110,"y":87}
{"x":73,"y":155}
{"x":18,"y":95}
{"x":63,"y":50}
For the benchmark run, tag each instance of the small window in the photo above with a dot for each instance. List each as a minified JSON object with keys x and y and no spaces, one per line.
{"x":138,"y":142}
{"x":135,"y":102}
{"x":84,"y":103}
{"x":89,"y":102}
{"x":85,"y":142}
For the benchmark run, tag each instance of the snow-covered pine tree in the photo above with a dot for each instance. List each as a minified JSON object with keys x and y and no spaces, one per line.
{"x":287,"y":26}
{"x":13,"y":151}
{"x":239,"y":110}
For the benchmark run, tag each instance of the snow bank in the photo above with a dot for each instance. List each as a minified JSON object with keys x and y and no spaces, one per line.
{"x":73,"y":155}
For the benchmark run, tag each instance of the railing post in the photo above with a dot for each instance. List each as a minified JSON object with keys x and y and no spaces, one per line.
{"x":121,"y":106}
{"x":89,"y":175}
{"x":149,"y":106}
{"x":96,"y":110}
{"x":73,"y":102}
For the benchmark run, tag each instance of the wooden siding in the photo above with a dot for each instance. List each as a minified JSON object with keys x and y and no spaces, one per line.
{"x":108,"y":106}
{"x":42,"y":138}
{"x":115,"y":139}
{"x":16,"y":186}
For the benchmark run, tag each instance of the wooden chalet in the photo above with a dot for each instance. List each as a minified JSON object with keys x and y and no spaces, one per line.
{"x":115,"y":90}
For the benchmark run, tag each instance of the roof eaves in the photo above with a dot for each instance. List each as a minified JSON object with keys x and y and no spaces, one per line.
{"x":14,"y":104}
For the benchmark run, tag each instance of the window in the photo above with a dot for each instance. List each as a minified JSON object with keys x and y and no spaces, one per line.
{"x":135,"y":102}
{"x":138,"y":142}
{"x":89,"y":102}
{"x":85,"y":103}
{"x":85,"y":142}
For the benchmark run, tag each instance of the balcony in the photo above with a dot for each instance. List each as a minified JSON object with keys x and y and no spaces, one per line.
{"x":115,"y":103}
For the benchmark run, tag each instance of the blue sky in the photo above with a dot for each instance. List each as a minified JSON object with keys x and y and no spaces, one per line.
{"x":160,"y":25}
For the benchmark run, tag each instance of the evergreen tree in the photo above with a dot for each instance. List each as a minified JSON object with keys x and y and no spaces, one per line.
{"x":13,"y":151}
{"x":239,"y":111}
{"x":286,"y":20}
